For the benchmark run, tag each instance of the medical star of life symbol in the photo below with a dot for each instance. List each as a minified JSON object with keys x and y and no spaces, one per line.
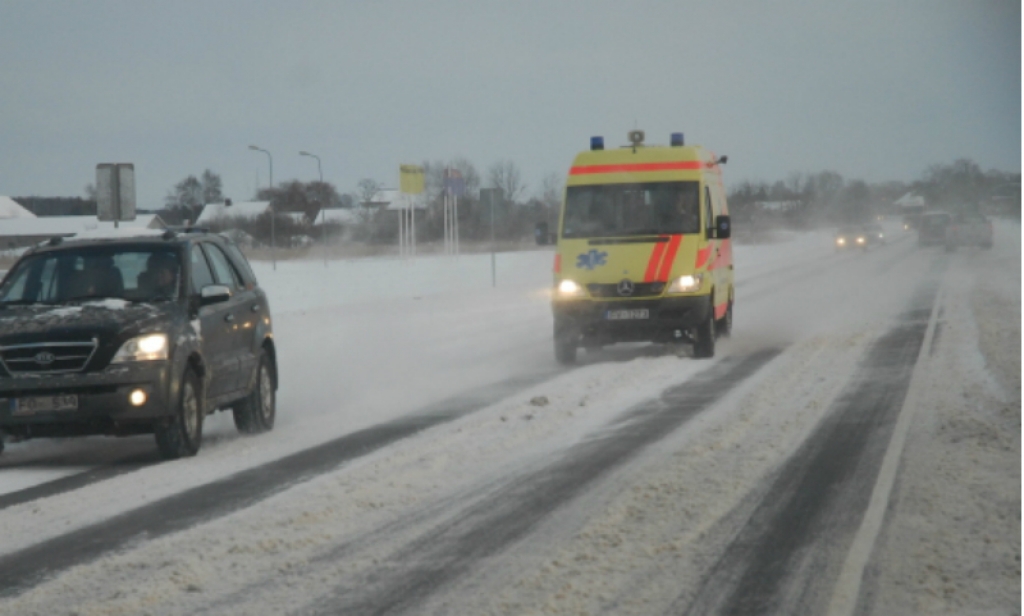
{"x":592,"y":259}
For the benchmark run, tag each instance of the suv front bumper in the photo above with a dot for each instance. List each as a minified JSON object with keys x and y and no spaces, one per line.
{"x":103,"y":404}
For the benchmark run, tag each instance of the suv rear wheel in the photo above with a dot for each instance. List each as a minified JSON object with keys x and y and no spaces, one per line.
{"x":256,"y":412}
{"x":183,"y":434}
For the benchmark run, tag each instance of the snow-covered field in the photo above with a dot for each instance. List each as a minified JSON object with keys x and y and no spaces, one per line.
{"x":362,"y":342}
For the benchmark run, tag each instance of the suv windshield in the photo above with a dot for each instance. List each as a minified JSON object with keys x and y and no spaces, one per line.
{"x":615,"y":210}
{"x":132,"y":273}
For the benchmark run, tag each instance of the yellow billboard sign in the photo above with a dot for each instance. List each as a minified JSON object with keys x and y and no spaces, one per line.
{"x":411,"y":179}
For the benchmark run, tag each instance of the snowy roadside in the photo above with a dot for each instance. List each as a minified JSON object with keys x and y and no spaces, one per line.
{"x":952,"y":543}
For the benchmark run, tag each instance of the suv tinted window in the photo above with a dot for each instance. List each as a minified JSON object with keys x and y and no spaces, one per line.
{"x":201,"y":274}
{"x":90,"y":272}
{"x":222,"y":268}
{"x":241,"y":263}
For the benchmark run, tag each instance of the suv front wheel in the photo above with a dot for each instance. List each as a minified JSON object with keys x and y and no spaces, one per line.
{"x":183,"y":434}
{"x":256,"y":412}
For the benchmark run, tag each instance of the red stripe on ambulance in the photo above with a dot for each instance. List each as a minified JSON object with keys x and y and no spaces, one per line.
{"x":670,"y":255}
{"x":634,"y":168}
{"x":655,"y":260}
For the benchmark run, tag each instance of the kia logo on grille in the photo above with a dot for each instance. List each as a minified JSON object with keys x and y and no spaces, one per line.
{"x":45,"y":358}
{"x":625,"y":288}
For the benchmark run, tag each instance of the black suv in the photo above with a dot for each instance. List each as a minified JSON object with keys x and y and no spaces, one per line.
{"x":135,"y":334}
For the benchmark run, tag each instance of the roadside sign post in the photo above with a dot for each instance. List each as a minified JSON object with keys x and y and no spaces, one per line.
{"x":454,"y":187}
{"x":411,"y":182}
{"x":115,"y":192}
{"x":489,"y":196}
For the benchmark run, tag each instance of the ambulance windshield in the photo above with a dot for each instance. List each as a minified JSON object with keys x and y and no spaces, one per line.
{"x":616,"y":210}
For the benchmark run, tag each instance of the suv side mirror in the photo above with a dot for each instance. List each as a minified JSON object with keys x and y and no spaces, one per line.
{"x":214,"y":294}
{"x":723,"y":228}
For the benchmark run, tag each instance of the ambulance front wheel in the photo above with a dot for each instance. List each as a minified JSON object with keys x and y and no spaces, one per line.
{"x":567,"y":340}
{"x":704,"y":336}
{"x":724,"y":325}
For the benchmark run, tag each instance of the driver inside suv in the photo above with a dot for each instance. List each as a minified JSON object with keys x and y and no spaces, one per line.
{"x":160,"y":278}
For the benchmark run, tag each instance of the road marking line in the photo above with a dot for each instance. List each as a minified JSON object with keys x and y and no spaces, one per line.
{"x":847,"y":589}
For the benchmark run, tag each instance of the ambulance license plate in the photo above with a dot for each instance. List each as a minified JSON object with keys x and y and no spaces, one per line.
{"x":625,"y":315}
{"x":44,"y":404}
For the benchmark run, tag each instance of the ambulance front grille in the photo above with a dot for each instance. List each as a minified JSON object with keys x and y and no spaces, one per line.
{"x":640,"y":289}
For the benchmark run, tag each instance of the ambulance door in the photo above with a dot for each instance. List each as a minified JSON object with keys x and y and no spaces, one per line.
{"x":721,"y":290}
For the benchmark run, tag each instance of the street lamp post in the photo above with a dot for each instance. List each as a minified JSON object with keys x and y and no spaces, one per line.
{"x":323,"y":209}
{"x":273,"y":214}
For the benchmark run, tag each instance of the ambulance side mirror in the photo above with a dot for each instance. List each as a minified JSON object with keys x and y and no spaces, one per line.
{"x":723,"y":228}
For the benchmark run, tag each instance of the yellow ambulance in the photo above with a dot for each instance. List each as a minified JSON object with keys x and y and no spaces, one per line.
{"x":643,"y":253}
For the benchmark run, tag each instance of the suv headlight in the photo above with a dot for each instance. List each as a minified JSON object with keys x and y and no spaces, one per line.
{"x":686,"y":284}
{"x":142,"y":348}
{"x":570,"y":288}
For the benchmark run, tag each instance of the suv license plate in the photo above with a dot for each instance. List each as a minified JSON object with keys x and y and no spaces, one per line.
{"x":44,"y":404}
{"x":623,"y":315}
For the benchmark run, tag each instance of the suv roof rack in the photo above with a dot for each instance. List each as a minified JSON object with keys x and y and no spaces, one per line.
{"x":173,"y":231}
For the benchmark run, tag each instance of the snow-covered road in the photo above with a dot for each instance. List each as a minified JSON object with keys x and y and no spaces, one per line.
{"x":505,"y":484}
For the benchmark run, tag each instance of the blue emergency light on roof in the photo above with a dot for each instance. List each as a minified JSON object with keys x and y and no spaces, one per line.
{"x":677,"y":139}
{"x":597,"y":143}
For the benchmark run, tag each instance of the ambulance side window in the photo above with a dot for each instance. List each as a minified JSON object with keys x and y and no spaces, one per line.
{"x":709,"y":213}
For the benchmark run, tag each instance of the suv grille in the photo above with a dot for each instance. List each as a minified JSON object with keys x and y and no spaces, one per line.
{"x":640,"y":289}
{"x":47,"y":357}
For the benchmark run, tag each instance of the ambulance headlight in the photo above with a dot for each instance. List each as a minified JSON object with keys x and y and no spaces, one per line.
{"x":686,"y":284}
{"x":570,"y":288}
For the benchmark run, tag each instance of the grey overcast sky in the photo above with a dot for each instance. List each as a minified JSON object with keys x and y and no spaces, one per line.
{"x":874,"y":89}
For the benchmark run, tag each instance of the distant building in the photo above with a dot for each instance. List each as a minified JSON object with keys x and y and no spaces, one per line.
{"x":910,"y":200}
{"x":776,"y":206}
{"x":340,"y":216}
{"x":9,"y":208}
{"x":18,"y":232}
{"x":243,"y":209}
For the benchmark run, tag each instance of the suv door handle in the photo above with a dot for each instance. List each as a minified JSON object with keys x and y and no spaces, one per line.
{"x":229,"y":317}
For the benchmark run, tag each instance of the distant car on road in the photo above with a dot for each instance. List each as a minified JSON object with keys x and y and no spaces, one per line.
{"x":969,"y":229}
{"x":875,"y":233}
{"x":134,"y":335}
{"x":933,"y":228}
{"x":851,"y":236}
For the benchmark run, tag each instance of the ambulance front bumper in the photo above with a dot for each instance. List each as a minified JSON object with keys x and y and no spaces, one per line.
{"x":656,"y":320}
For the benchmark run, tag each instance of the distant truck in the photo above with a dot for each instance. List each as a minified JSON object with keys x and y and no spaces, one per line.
{"x":912,"y":217}
{"x":644,"y":250}
{"x":970,"y":228}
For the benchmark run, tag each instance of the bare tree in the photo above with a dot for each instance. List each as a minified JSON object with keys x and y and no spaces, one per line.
{"x":366,"y":189}
{"x":186,"y":198}
{"x":212,"y":186}
{"x":306,"y":197}
{"x":506,"y":177}
{"x":551,"y":189}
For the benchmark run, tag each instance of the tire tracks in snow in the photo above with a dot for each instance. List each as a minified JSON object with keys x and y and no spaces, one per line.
{"x":447,"y":551}
{"x":786,"y":557}
{"x":26,"y":568}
